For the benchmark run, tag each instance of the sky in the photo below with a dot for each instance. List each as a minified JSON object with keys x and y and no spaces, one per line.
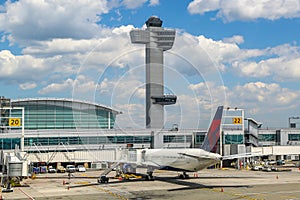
{"x":242,"y":54}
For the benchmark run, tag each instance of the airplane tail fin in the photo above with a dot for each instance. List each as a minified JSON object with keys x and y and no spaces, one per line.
{"x":213,"y":134}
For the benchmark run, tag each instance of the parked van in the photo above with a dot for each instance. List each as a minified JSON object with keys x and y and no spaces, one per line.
{"x":70,"y":168}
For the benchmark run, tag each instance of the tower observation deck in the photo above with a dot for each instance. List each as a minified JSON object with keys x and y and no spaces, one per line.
{"x":157,"y":40}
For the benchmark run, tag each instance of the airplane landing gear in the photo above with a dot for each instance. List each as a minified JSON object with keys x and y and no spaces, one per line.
{"x":149,"y":176}
{"x":184,"y":175}
{"x":103,"y":179}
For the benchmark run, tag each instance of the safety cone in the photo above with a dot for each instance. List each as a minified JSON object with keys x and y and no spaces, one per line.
{"x":222,"y":190}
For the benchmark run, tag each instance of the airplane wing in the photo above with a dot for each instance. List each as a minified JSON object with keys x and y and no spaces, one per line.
{"x":195,"y":157}
{"x":243,"y":155}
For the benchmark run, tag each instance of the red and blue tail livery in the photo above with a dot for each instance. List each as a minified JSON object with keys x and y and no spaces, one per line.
{"x":213,"y":134}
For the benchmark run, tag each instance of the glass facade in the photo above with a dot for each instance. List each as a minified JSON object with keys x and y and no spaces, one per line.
{"x":199,"y":139}
{"x":54,"y":141}
{"x":63,"y":114}
{"x":234,"y":139}
{"x":294,"y":137}
{"x":267,"y":137}
{"x":177,"y":138}
{"x":9,"y":143}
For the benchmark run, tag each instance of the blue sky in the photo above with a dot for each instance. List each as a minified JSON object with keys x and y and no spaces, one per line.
{"x":241,"y":54}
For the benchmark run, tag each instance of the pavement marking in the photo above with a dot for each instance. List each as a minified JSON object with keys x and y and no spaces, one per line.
{"x":30,"y":197}
{"x":108,"y":191}
{"x":278,"y":192}
{"x":82,"y":183}
{"x":240,"y":196}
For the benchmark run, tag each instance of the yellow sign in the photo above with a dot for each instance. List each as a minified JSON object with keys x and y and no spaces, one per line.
{"x":14,"y":122}
{"x":237,"y":120}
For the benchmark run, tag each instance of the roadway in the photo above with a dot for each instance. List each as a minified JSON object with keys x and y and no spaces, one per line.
{"x":206,"y":184}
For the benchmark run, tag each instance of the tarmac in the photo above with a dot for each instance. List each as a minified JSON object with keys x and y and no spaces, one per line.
{"x":206,"y":184}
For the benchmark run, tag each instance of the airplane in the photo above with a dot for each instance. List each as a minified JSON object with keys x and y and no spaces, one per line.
{"x":180,"y":160}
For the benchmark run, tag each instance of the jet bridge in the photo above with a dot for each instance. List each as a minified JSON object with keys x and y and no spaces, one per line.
{"x":14,"y":167}
{"x":13,"y":162}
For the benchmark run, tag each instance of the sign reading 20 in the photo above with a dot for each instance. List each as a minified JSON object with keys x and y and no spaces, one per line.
{"x":14,"y":122}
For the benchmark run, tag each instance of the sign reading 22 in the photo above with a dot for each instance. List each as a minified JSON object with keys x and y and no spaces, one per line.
{"x":237,"y":120}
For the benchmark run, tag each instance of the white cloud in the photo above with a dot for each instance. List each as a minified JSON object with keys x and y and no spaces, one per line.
{"x":209,"y":94}
{"x":61,"y":46}
{"x":253,"y":69}
{"x":265,"y":96}
{"x":127,"y":94}
{"x":81,"y":83}
{"x":231,"y":10}
{"x":283,"y":64}
{"x":131,"y":4}
{"x":51,"y":19}
{"x":28,"y":85}
{"x":58,"y":87}
{"x":205,"y":54}
{"x":126,"y":88}
{"x":262,"y":101}
{"x":154,"y":2}
{"x":208,"y":55}
{"x":202,"y":6}
{"x":236,"y":39}
{"x":21,"y":68}
{"x":132,"y":116}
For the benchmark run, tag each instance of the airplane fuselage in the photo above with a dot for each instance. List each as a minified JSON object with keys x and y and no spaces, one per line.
{"x":189,"y":160}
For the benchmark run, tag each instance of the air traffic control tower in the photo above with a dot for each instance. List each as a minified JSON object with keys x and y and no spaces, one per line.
{"x":157,"y":40}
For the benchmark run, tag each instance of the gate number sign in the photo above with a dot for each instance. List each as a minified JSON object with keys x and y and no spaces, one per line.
{"x":237,"y":120}
{"x":14,"y":122}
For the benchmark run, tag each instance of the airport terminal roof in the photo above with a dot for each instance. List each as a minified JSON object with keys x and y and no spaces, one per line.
{"x":73,"y":103}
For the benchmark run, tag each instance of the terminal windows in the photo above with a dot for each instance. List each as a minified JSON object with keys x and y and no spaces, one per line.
{"x":92,"y":140}
{"x":177,"y":138}
{"x":267,"y":137}
{"x":234,"y":139}
{"x":199,"y":139}
{"x":9,"y":143}
{"x":294,"y":137}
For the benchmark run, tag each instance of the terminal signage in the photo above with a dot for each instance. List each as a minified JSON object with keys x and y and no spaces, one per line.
{"x":14,"y":122}
{"x":237,"y":120}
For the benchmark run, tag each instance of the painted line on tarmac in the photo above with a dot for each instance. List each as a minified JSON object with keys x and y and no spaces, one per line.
{"x":82,"y":183}
{"x":108,"y":191}
{"x":117,"y":193}
{"x":119,"y":190}
{"x":240,"y":196}
{"x":279,"y":192}
{"x":30,"y":197}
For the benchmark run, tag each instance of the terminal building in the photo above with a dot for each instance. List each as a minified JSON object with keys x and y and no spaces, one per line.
{"x":72,"y":131}
{"x":68,"y":131}
{"x":50,"y":122}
